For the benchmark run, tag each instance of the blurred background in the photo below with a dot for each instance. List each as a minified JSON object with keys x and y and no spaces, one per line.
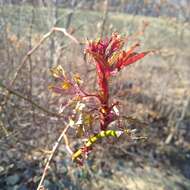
{"x":155,"y":91}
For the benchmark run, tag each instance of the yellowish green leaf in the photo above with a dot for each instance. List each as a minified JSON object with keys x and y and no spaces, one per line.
{"x":71,"y":122}
{"x":66,"y":85}
{"x":57,"y":71}
{"x":113,"y":58}
{"x":77,"y":79}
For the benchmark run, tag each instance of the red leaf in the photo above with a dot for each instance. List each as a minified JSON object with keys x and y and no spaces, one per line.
{"x":135,"y":57}
{"x":131,"y":58}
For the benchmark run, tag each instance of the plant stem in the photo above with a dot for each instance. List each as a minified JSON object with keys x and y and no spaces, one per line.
{"x":55,"y":147}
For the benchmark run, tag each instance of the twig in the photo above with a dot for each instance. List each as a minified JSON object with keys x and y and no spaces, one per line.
{"x":55,"y":147}
{"x":30,"y":101}
{"x":105,"y":17}
{"x":30,"y":52}
{"x":31,"y":65}
{"x":64,"y":31}
{"x":46,"y":36}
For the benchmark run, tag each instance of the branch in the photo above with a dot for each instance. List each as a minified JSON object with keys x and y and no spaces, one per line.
{"x":55,"y":147}
{"x":30,"y":52}
{"x":30,"y":101}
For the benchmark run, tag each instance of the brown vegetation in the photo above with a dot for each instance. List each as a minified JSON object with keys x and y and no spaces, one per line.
{"x":155,"y":93}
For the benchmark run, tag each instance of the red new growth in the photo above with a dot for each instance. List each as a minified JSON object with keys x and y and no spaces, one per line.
{"x":109,"y":59}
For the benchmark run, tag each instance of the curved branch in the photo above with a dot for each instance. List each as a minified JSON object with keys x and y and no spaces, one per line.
{"x":34,"y":49}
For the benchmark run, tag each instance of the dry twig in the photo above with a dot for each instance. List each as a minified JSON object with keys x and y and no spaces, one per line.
{"x":10,"y":91}
{"x":46,"y":36}
{"x":28,"y":55}
{"x":55,"y":147}
{"x":23,"y":62}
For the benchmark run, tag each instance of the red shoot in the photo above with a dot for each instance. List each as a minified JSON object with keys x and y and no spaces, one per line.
{"x":109,"y":59}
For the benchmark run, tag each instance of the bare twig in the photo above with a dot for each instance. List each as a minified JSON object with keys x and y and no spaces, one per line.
{"x":30,"y":101}
{"x":31,"y":65}
{"x":105,"y":17}
{"x":46,"y":36}
{"x":30,"y":52}
{"x":23,"y":62}
{"x":55,"y":147}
